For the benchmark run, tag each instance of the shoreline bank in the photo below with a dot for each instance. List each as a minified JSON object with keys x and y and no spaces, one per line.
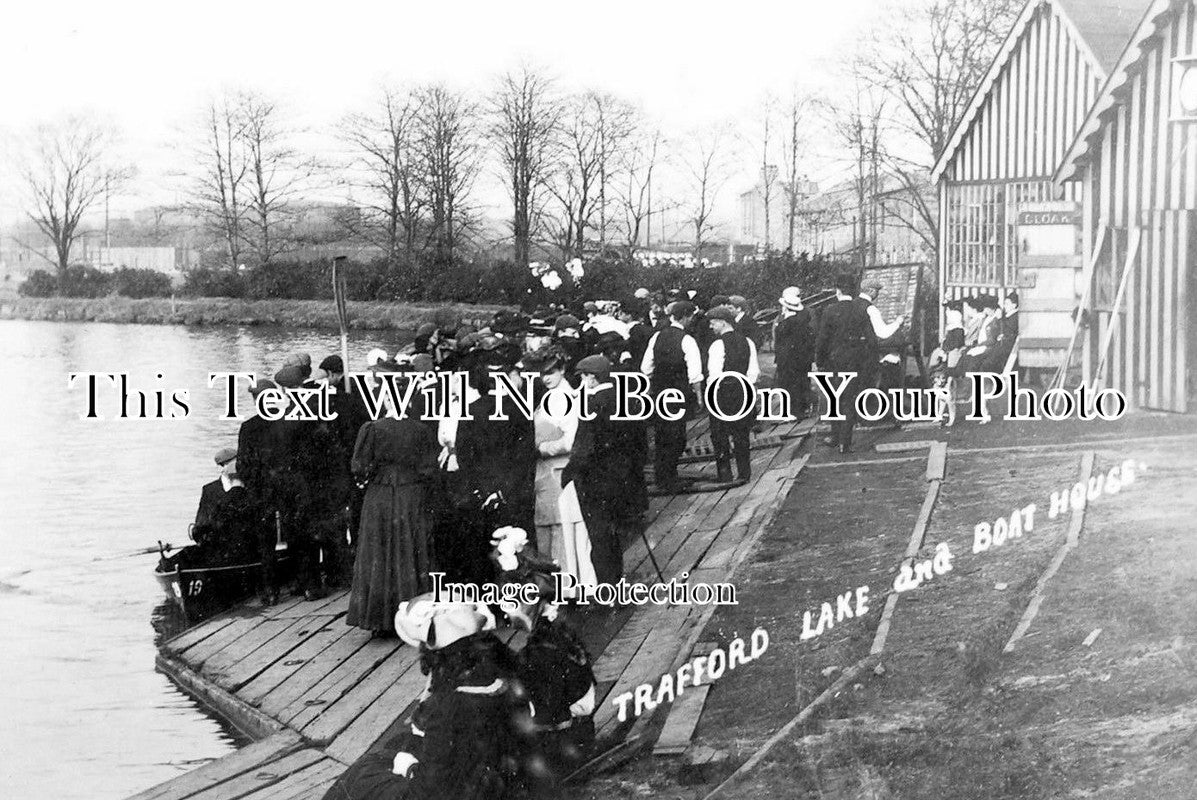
{"x":191,"y":311}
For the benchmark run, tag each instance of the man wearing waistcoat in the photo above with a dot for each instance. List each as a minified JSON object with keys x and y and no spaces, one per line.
{"x":731,"y":354}
{"x":673,"y":361}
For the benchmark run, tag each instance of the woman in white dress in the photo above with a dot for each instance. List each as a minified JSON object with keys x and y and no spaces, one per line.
{"x":560,"y":531}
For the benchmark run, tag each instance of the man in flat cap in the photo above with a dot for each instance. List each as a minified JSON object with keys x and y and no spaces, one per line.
{"x":216,"y":493}
{"x":596,"y":467}
{"x":731,"y":354}
{"x":673,"y":361}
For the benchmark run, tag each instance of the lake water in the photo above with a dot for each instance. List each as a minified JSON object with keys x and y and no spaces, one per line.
{"x":85,"y":715}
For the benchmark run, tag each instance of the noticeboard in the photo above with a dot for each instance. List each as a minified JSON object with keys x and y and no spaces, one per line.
{"x":899,"y":290}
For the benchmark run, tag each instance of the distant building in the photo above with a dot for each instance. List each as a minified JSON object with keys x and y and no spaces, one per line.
{"x":752,"y":209}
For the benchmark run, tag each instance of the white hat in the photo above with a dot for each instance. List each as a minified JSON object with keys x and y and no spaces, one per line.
{"x":375,"y":355}
{"x":422,"y":620}
{"x":791,"y":298}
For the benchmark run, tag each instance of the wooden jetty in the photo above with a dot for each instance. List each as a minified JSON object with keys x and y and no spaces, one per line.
{"x":315,"y":694}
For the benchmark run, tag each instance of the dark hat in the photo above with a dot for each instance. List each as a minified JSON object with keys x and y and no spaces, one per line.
{"x":566,"y":321}
{"x":422,"y":362}
{"x":719,"y":300}
{"x":427,"y":329}
{"x":680,"y":308}
{"x":332,"y":364}
{"x":507,"y":322}
{"x":725,"y":313}
{"x":590,"y":307}
{"x":289,"y":377}
{"x":225,"y":454}
{"x":261,"y":385}
{"x":598,"y":366}
{"x":544,"y":359}
{"x":739,"y":301}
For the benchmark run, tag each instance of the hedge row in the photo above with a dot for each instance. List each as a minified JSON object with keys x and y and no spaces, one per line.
{"x":466,"y":282}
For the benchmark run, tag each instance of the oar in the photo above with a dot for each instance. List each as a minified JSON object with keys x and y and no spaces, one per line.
{"x":339,"y":291}
{"x":145,"y":551}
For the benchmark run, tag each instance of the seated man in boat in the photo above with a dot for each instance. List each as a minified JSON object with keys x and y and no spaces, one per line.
{"x":225,"y":522}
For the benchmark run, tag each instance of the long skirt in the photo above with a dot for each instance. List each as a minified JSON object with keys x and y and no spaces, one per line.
{"x":392,"y":562}
{"x":565,"y":539}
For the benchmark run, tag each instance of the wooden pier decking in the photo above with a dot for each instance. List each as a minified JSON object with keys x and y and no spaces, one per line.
{"x":315,"y":694}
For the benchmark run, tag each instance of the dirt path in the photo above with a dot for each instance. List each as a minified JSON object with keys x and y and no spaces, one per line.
{"x":951,"y":715}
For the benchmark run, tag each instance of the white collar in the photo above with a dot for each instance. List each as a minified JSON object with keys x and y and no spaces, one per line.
{"x":228,"y":483}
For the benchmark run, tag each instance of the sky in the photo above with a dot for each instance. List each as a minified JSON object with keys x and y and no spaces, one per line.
{"x":147,"y":68}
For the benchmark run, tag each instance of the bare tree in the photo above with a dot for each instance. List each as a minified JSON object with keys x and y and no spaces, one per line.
{"x":705,"y":165}
{"x":525,"y":117}
{"x":635,"y":200}
{"x":449,"y":144}
{"x":217,"y":189}
{"x":857,"y":122}
{"x":929,"y":61}
{"x":768,"y":169}
{"x":277,"y":176}
{"x":793,"y":152}
{"x":387,"y":173}
{"x":66,"y":170}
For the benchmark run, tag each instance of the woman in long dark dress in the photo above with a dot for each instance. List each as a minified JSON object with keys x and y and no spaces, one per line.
{"x":398,"y":459}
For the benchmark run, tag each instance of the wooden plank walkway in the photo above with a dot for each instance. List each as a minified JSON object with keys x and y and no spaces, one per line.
{"x":318,"y":694}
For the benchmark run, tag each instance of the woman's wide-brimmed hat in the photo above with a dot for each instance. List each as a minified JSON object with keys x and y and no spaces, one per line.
{"x":425,"y":621}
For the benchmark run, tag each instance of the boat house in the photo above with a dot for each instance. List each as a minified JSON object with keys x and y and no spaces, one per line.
{"x":1004,"y":222}
{"x":1134,"y":159}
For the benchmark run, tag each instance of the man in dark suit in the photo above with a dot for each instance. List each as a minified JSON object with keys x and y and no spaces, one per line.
{"x":794,"y":350}
{"x":847,"y":343}
{"x":225,"y":520}
{"x":255,"y":453}
{"x":497,"y":464}
{"x":673,"y":361}
{"x":597,"y":467}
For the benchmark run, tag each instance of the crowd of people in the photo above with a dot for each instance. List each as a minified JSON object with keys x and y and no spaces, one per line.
{"x":379,"y":502}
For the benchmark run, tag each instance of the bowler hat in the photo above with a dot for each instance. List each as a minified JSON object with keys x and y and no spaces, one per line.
{"x":566,"y":321}
{"x":333,"y":364}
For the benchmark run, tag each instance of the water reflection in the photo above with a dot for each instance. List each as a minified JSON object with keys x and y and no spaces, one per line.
{"x":86,"y":715}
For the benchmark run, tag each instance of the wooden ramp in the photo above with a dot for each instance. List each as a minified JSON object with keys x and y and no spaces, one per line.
{"x":316,"y":694}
